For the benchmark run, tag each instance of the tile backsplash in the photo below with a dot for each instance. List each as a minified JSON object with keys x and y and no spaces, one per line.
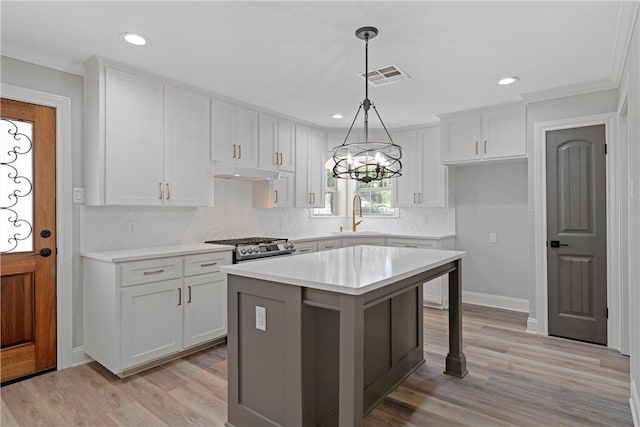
{"x":105,"y":228}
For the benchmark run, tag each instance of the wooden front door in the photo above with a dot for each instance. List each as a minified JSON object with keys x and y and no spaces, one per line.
{"x":27,"y":239}
{"x":576,"y":233}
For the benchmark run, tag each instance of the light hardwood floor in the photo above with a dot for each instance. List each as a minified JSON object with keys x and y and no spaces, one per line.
{"x":514,"y":378}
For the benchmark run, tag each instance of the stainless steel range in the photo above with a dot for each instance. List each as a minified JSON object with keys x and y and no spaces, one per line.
{"x":253,"y":248}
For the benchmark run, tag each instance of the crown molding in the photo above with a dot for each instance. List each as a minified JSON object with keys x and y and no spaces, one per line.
{"x":571,"y":90}
{"x":39,"y":57}
{"x":626,"y":21}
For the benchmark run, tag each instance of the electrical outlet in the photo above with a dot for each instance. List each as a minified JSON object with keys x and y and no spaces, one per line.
{"x":131,"y":226}
{"x":493,"y":238}
{"x":261,"y":318}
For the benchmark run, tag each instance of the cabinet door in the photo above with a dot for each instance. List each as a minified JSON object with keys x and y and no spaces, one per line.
{"x":223,"y":131}
{"x":303,"y":195}
{"x":287,"y":145}
{"x":205,"y":308}
{"x":283,"y":190}
{"x":405,"y":192}
{"x":432,"y":292}
{"x":267,"y":141}
{"x":461,"y":138}
{"x":432,"y":189}
{"x":151,"y":321}
{"x":186,"y":140}
{"x":316,"y":160}
{"x":133,"y":129}
{"x":247,"y":136}
{"x":504,"y":133}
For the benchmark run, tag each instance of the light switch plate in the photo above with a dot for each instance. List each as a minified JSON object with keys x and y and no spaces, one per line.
{"x":261,"y":318}
{"x":78,"y":195}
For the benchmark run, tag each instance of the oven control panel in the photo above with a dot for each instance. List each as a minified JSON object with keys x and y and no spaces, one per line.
{"x":264,"y":250}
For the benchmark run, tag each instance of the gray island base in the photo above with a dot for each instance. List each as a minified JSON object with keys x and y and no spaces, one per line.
{"x":310,"y":345}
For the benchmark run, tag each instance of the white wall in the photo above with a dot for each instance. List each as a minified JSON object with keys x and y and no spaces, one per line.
{"x":631,"y":85}
{"x":492,"y":198}
{"x":26,"y":75}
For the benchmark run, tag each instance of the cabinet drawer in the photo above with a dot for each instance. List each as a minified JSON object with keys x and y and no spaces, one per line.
{"x":205,"y":263}
{"x":305,"y":248}
{"x":325,"y":245}
{"x":415,"y":243}
{"x":153,"y":270}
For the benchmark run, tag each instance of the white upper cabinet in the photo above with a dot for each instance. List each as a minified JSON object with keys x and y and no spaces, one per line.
{"x":424,"y":181}
{"x":146,"y":142}
{"x":276,"y":147}
{"x":310,"y":158}
{"x":186,"y":146}
{"x":487,"y":134}
{"x":274,"y":193}
{"x":133,"y":139}
{"x":234,"y":133}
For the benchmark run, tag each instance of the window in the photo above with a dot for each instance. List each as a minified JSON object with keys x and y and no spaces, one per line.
{"x":376,"y":196}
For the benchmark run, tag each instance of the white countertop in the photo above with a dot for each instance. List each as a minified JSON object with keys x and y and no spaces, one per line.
{"x":371,"y":234}
{"x":354,"y":271}
{"x":121,"y":255}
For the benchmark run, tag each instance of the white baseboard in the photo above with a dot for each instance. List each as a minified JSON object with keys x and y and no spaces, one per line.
{"x":497,"y":301}
{"x":532,"y":325}
{"x":634,"y":402}
{"x":79,"y":357}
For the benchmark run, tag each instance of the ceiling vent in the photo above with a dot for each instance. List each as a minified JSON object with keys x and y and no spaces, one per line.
{"x":386,"y":75}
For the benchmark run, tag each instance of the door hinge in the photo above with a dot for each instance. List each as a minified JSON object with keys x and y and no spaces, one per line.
{"x":607,"y":312}
{"x":606,"y":149}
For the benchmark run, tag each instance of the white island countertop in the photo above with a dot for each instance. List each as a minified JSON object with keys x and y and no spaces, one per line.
{"x":355,"y":270}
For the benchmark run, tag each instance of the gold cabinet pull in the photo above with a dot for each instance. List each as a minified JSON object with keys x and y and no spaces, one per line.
{"x":476,"y":147}
{"x":329,"y":247}
{"x":485,"y":146}
{"x":239,"y":151}
{"x":280,"y":154}
{"x":189,"y":294}
{"x":276,"y":191}
{"x":147,"y":273}
{"x":419,"y":198}
{"x":277,"y":161}
{"x":410,"y":246}
{"x":414,"y":198}
{"x":160,"y":195}
{"x":208,"y":264}
{"x":179,"y":296}
{"x":234,"y":151}
{"x":168,"y":191}
{"x":305,"y":250}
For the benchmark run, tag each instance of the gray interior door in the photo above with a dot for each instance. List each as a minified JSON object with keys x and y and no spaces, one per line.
{"x":576,"y":233}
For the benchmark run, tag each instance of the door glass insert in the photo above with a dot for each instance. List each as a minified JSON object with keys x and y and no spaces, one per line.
{"x":16,"y":186}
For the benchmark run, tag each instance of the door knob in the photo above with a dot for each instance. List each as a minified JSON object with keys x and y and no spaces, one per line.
{"x":557,"y":244}
{"x":44,"y":252}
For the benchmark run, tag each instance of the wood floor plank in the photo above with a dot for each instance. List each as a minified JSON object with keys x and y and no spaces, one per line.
{"x":515,"y":378}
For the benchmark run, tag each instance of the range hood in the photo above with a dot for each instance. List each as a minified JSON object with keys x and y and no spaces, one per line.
{"x":230,"y":170}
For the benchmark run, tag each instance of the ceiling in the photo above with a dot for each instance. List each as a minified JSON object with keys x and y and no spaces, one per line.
{"x":302,"y":59}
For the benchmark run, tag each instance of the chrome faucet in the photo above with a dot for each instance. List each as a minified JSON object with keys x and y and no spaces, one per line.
{"x":355,"y":224}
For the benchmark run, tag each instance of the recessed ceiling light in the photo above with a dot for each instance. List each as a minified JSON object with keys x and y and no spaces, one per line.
{"x":337,"y":116}
{"x":508,"y":80}
{"x":133,"y":38}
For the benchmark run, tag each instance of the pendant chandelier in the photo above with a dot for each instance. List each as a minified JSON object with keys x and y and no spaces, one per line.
{"x":367,"y":161}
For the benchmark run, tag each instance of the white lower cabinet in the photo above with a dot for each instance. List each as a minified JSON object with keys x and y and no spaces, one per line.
{"x":201,"y":322}
{"x":371,"y":241}
{"x":435,"y":293}
{"x":306,"y":248}
{"x":326,"y":245}
{"x":138,"y":312}
{"x":151,"y":322}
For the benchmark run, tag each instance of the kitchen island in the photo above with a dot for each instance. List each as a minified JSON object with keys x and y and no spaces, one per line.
{"x":322,"y":338}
